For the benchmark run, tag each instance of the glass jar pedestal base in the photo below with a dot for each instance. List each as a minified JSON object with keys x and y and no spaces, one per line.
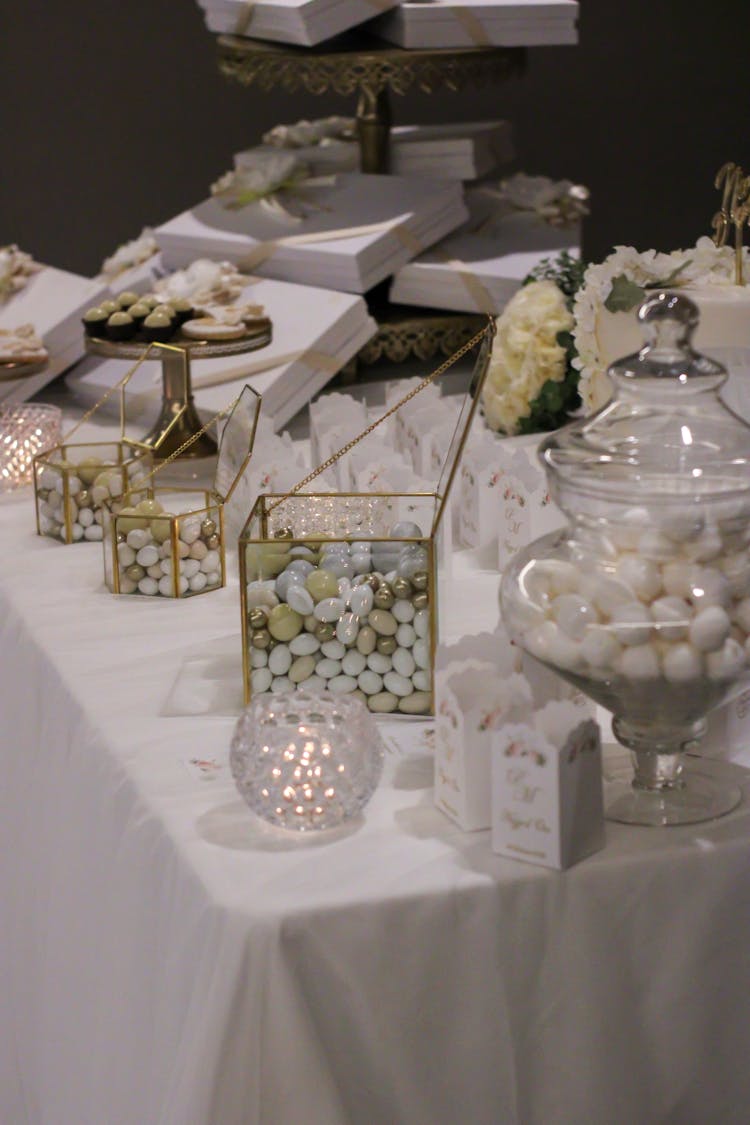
{"x":700,"y":789}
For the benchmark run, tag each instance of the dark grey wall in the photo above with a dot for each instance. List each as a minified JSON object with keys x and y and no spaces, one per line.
{"x":114,"y":116}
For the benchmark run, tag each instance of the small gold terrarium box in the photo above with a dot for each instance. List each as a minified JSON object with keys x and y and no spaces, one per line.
{"x":170,"y":542}
{"x":75,"y":482}
{"x":339,"y":590}
{"x":338,"y":594}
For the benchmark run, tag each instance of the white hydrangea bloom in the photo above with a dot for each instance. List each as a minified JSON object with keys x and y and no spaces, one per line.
{"x":259,"y":177}
{"x":525,"y":354}
{"x":130,"y":254}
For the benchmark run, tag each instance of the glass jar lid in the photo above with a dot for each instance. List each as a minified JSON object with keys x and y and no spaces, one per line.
{"x":665,"y":435}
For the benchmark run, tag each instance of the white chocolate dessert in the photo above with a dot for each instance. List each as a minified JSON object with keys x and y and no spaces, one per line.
{"x":21,"y":345}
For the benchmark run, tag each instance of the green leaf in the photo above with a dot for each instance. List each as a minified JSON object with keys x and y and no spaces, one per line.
{"x":670,"y":280}
{"x":625,"y":295}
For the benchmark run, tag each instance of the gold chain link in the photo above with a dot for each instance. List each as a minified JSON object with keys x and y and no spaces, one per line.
{"x":407,"y":397}
{"x":186,"y":444}
{"x":100,"y":402}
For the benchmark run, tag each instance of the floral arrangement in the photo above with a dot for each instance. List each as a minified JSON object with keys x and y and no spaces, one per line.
{"x":619,"y":284}
{"x":304,"y":134}
{"x":260,"y":178}
{"x":130,"y":254}
{"x":204,"y":282}
{"x":560,"y":203}
{"x":16,"y":267}
{"x":532,"y":381}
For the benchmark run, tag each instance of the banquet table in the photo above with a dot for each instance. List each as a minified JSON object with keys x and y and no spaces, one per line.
{"x":168,"y":959}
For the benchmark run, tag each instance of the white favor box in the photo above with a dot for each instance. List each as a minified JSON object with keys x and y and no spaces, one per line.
{"x":54,"y":301}
{"x":355,"y":232}
{"x":315,"y":333}
{"x":473,"y":702}
{"x":480,"y":266}
{"x":475,"y":682}
{"x":497,"y":23}
{"x":503,"y":495}
{"x":305,"y":22}
{"x":547,"y":805}
{"x":445,"y":152}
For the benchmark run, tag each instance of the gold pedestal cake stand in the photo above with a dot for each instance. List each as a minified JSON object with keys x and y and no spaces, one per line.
{"x":11,"y":371}
{"x":178,"y":421}
{"x":357,"y":64}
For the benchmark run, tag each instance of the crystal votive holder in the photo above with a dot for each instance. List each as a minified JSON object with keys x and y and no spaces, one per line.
{"x":306,"y":762}
{"x":165,"y":542}
{"x":74,"y":483}
{"x":26,"y":430}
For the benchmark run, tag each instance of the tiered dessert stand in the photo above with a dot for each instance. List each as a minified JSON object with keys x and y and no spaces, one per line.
{"x":355,"y":63}
{"x":179,"y":423}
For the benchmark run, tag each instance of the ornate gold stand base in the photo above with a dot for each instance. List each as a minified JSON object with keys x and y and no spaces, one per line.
{"x":178,"y":420}
{"x":406,"y":333}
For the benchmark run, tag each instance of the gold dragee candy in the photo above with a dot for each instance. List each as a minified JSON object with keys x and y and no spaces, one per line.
{"x":384,"y":597}
{"x":420,"y":580}
{"x":324,"y":631}
{"x":208,"y":528}
{"x":387,"y":645}
{"x":135,"y":572}
{"x":83,"y":499}
{"x":260,"y":638}
{"x":257,"y":619}
{"x":213,"y":542}
{"x":421,"y":600}
{"x":401,"y":587}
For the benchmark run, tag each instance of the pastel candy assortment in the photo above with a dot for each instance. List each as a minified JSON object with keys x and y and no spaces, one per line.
{"x":92,"y":483}
{"x":146,"y":560}
{"x":345,"y":618}
{"x":670,"y":604}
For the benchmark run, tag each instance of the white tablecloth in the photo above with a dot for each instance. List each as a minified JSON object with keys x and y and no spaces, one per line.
{"x":167,"y":960}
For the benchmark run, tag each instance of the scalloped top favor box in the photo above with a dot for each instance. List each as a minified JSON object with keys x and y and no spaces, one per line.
{"x":339,"y":590}
{"x":171,"y":541}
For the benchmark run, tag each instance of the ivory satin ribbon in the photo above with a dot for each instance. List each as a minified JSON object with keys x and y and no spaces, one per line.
{"x":265,"y":250}
{"x":472,"y":25}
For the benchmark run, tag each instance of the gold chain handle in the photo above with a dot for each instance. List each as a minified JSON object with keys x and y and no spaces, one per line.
{"x":448,"y":363}
{"x":107,"y":394}
{"x":186,"y":444}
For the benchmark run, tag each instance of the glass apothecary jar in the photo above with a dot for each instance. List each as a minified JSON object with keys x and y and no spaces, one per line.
{"x":643,"y":600}
{"x":171,"y":541}
{"x":339,"y":590}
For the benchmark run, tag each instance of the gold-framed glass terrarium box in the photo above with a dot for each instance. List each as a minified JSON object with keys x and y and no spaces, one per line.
{"x":170,"y":541}
{"x":339,"y":590}
{"x":76,"y":482}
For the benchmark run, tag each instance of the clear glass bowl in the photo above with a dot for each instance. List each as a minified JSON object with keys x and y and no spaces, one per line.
{"x":643,"y":601}
{"x":306,"y":761}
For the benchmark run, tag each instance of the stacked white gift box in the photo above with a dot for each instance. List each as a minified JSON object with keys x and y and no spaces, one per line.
{"x":415,"y":23}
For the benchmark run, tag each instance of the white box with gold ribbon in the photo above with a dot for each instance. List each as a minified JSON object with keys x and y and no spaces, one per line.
{"x":347,"y":234}
{"x":480,"y":23}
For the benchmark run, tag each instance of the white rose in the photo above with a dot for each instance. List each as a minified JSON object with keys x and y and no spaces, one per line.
{"x":525,"y":354}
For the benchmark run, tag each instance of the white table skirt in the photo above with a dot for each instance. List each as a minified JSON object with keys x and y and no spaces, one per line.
{"x":167,"y":960}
